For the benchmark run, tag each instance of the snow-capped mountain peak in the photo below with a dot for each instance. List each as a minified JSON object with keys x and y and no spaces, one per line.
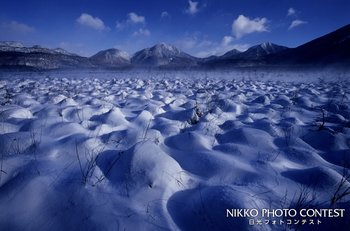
{"x":11,"y":44}
{"x":164,"y":50}
{"x":263,"y":49}
{"x":165,"y":47}
{"x":62,"y":51}
{"x":111,"y":57}
{"x":113,"y":53}
{"x":162,"y":54}
{"x":267,"y":45}
{"x":231,"y":53}
{"x":123,"y":54}
{"x":271,"y":48}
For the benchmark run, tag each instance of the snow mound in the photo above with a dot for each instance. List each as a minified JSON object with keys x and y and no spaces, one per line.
{"x":189,"y":141}
{"x":156,"y":150}
{"x":204,"y":208}
{"x":16,"y":113}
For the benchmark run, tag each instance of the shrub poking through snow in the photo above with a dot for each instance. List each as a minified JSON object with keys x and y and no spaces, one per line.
{"x":343,"y":188}
{"x":88,"y":164}
{"x":196,"y":115}
{"x":321,"y":125}
{"x":121,"y":152}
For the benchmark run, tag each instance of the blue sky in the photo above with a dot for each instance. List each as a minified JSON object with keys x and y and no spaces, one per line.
{"x":199,"y":27}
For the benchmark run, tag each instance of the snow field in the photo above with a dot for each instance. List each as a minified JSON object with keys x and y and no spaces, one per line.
{"x":168,"y":153}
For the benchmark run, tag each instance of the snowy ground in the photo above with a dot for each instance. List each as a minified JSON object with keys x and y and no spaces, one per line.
{"x":171,"y":151}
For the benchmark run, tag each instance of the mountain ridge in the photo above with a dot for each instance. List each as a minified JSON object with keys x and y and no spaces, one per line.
{"x":333,"y":47}
{"x":111,"y":58}
{"x":329,"y":49}
{"x":162,"y":54}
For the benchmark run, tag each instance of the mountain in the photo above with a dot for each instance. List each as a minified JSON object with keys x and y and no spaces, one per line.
{"x":230,"y":54}
{"x":214,"y":58}
{"x":15,"y":55}
{"x":262,"y":50}
{"x":332,"y":48}
{"x":254,"y":56}
{"x":111,"y":58}
{"x":163,"y":55}
{"x":208,"y":59}
{"x":20,"y":48}
{"x":5,"y":44}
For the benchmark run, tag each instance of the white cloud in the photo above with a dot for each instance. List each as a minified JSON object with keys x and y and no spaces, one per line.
{"x":120,"y":25}
{"x":17,"y":27}
{"x":134,"y":18}
{"x":291,"y":11}
{"x":192,"y":8}
{"x":92,"y":22}
{"x":226,"y":40}
{"x":244,"y":25}
{"x":142,"y":32}
{"x":227,"y":45}
{"x":195,"y":40}
{"x":296,"y":23}
{"x":164,"y":14}
{"x":201,"y":46}
{"x":188,"y":42}
{"x":205,"y":43}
